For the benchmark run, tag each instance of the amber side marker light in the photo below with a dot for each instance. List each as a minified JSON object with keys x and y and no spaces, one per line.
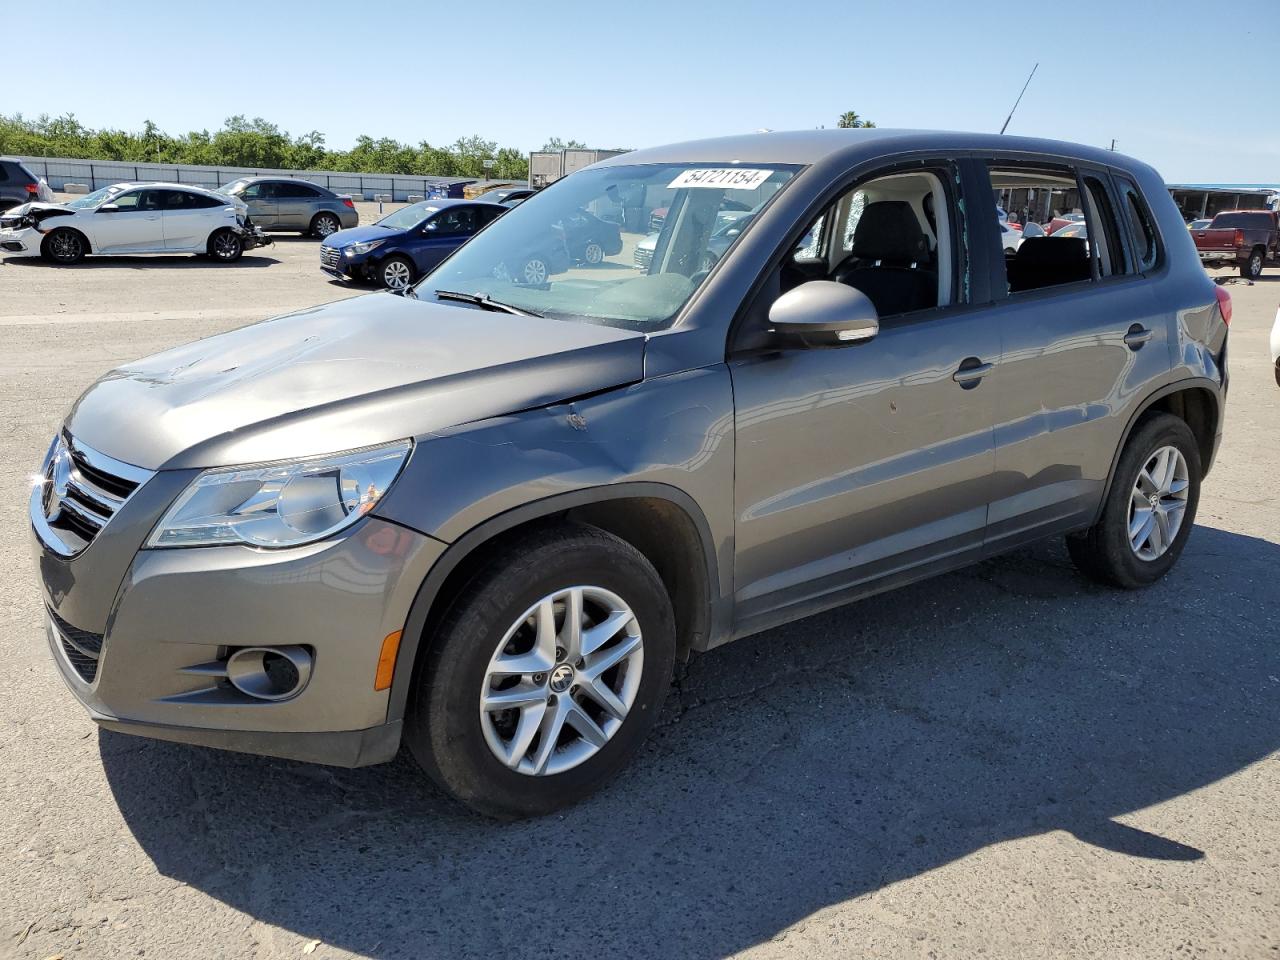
{"x":387,"y":661}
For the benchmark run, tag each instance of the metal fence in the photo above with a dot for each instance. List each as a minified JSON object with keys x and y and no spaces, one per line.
{"x":60,"y":171}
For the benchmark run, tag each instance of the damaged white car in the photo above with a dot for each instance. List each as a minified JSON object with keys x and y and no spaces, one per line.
{"x":131,"y":218}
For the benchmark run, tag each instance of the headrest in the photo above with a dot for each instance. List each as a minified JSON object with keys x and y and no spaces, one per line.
{"x":1052,"y":250}
{"x":889,"y":230}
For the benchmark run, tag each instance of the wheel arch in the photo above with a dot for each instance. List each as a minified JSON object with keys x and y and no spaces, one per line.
{"x":664,"y":523}
{"x":88,"y":244}
{"x":1198,"y":402}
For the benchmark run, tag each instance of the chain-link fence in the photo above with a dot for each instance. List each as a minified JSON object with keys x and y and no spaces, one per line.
{"x":102,"y":173}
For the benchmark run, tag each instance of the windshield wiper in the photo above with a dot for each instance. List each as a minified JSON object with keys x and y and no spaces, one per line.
{"x":485,"y":302}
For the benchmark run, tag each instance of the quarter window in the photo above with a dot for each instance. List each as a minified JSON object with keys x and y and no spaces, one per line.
{"x":1145,"y":243}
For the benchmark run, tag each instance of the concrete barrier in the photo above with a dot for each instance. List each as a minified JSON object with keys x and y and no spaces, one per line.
{"x":75,"y":188}
{"x":416,"y":198}
{"x":382,"y":197}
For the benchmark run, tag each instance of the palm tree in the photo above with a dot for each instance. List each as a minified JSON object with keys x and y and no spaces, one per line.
{"x":850,"y":120}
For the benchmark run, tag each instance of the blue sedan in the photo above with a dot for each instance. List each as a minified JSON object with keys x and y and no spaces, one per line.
{"x":407,"y":244}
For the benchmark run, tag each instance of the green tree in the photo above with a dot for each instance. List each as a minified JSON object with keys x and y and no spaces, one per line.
{"x":555,"y":145}
{"x":850,"y":120}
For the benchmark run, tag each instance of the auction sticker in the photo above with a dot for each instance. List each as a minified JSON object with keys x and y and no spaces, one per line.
{"x":721,"y":178}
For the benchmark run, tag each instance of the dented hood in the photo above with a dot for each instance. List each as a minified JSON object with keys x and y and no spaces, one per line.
{"x":357,"y":372}
{"x":14,"y":214}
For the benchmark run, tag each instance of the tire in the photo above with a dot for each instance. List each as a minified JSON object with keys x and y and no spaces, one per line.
{"x":225,"y":246}
{"x":457,"y":742}
{"x":64,"y":246}
{"x":396,"y":272}
{"x":324,"y":224}
{"x":1105,"y":552}
{"x":533,"y":271}
{"x":593,"y":253}
{"x":1251,"y":269}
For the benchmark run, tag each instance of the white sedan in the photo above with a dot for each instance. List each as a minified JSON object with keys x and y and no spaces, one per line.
{"x":131,"y":218}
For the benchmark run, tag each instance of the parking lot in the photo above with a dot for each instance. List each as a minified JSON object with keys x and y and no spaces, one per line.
{"x":1006,"y":761}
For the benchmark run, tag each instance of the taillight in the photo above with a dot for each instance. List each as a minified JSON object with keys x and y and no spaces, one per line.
{"x":1239,"y":241}
{"x":346,"y":202}
{"x":1224,"y":303}
{"x":33,"y":188}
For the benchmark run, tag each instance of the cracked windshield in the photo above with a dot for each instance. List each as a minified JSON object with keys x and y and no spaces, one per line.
{"x":620,"y":245}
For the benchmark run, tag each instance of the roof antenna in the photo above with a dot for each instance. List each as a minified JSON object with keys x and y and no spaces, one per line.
{"x":1019,"y":100}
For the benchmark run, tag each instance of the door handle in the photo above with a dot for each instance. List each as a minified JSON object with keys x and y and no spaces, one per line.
{"x":971,"y":371}
{"x":1137,"y":336}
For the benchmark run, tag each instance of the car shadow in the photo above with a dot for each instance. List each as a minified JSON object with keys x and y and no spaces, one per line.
{"x":792,"y":770}
{"x":181,"y":261}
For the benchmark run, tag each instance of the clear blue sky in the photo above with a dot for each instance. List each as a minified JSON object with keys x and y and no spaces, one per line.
{"x":1150,"y":74}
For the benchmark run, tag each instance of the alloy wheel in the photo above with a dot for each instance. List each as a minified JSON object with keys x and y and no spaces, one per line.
{"x":593,"y":254}
{"x":535,"y":271}
{"x":226,"y":246}
{"x":65,"y":246}
{"x":1158,"y":503}
{"x":396,"y":275}
{"x":326,"y":226}
{"x":562,"y":681}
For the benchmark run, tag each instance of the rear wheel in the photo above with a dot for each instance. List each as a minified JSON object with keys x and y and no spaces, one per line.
{"x":1252,"y":268}
{"x":64,"y":246}
{"x":324,"y":224}
{"x":225,"y":246}
{"x":593,"y":254}
{"x":396,"y":273}
{"x":546,"y":675}
{"x":1150,"y":509}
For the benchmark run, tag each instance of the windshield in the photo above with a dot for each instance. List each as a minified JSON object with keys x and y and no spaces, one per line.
{"x":569,"y":251}
{"x":408,"y":217}
{"x":91,"y":200}
{"x":233,"y":187}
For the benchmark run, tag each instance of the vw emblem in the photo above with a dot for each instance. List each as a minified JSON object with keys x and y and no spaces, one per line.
{"x":561,"y":678}
{"x":56,"y":484}
{"x":1155,"y":501}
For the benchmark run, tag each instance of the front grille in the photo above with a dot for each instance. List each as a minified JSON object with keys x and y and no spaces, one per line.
{"x":82,"y":648}
{"x":82,"y":492}
{"x":330,"y":257}
{"x":644,"y":257}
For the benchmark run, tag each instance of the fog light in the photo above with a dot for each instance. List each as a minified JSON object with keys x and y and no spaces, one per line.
{"x":270,"y":673}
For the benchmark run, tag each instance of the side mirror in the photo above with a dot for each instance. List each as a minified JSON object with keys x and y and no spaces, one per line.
{"x":108,"y":208}
{"x":824,"y":313}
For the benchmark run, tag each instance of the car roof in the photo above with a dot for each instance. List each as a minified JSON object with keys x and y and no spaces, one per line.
{"x":128,"y":184}
{"x":813,"y":146}
{"x":446,"y":202}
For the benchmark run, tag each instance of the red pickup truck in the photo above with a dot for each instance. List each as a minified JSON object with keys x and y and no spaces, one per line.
{"x":1248,"y":239}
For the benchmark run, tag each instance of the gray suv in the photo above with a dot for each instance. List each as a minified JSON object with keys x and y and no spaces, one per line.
{"x":18,"y":185}
{"x":285,"y":203}
{"x":487,"y":516}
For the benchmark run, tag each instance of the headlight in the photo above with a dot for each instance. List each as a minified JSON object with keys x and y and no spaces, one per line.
{"x":360,"y":249}
{"x":281,"y":504}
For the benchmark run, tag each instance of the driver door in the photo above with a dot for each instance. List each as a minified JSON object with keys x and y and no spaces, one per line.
{"x":133,"y":225}
{"x":263,"y":207}
{"x":859,"y":464}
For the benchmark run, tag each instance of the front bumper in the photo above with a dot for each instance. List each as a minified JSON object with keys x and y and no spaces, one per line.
{"x":20,"y":243}
{"x":163,"y":619}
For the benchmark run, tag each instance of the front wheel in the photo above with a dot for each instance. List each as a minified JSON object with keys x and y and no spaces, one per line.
{"x":64,"y":246}
{"x":1251,"y":269}
{"x":225,"y":246}
{"x":1150,"y":509}
{"x":546,"y":675}
{"x":396,"y":273}
{"x":593,"y":254}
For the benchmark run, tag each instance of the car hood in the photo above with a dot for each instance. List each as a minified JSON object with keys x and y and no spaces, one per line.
{"x":349,"y":374}
{"x":36,"y":208}
{"x":345,"y":238}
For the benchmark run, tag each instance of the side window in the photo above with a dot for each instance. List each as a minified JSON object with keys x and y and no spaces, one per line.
{"x":1054,"y":247}
{"x":1107,"y":246}
{"x":296,"y":191}
{"x":1145,"y":243}
{"x":252,"y":192}
{"x":452,"y":222}
{"x":894,"y":237}
{"x":128,"y":201}
{"x":198,"y":201}
{"x":488,"y":215}
{"x":4,"y":173}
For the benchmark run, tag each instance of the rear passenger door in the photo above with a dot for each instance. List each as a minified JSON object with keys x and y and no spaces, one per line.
{"x":261,"y":200}
{"x":295,"y":205}
{"x":189,"y":219}
{"x":1081,"y":336}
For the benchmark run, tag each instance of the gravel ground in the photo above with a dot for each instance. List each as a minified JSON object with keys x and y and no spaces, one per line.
{"x":1006,"y":761}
